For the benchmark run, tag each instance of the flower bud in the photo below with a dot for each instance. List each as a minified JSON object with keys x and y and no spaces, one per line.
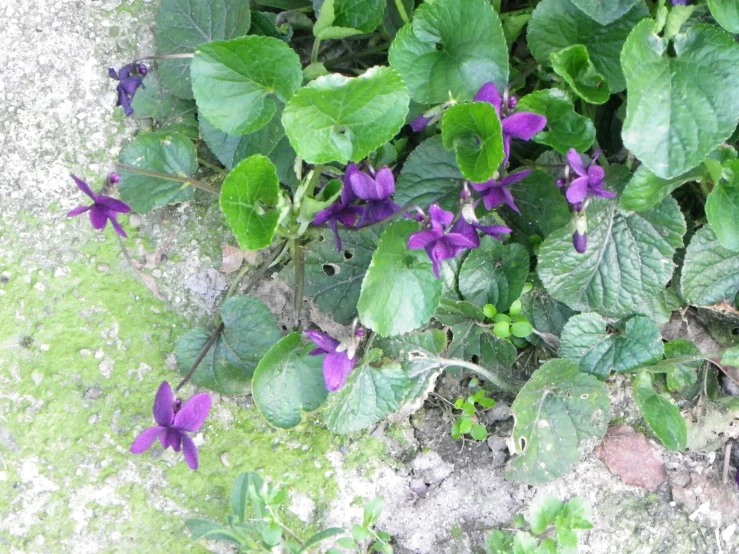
{"x":114,"y":178}
{"x":580,"y":242}
{"x":512,"y":103}
{"x":143,"y":70}
{"x":468,"y":213}
{"x":561,"y":183}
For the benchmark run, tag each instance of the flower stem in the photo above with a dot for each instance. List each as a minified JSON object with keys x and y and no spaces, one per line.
{"x":315,"y":51}
{"x":212,"y":167}
{"x":401,"y":11}
{"x":168,"y":176}
{"x":299,"y":261}
{"x":488,"y":375}
{"x":285,"y":528}
{"x":397,"y":215}
{"x":184,"y":56}
{"x":221,"y":326}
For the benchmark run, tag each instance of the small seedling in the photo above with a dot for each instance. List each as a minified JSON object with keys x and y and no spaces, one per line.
{"x":467,"y":423}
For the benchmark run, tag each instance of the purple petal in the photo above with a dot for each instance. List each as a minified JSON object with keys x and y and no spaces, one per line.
{"x":575,"y":162}
{"x":377,"y":211}
{"x":515,"y":178}
{"x":482,"y":187}
{"x":580,"y":242}
{"x":117,"y":226}
{"x":322,"y":340}
{"x":508,"y":199}
{"x":79,"y":210}
{"x":420,"y":123}
{"x":465,"y":229}
{"x":422,"y":239}
{"x":347,"y":194}
{"x":98,"y":217}
{"x":163,"y":405}
{"x":113,"y":204}
{"x":84,"y":187}
{"x":385,"y":182}
{"x":488,"y":93}
{"x":144,"y":441}
{"x":125,"y":71}
{"x":458,"y":240}
{"x":602,"y":193}
{"x":349,"y":215}
{"x":323,"y":216}
{"x":596,"y":174}
{"x":438,"y":215}
{"x":494,"y":198}
{"x":442,"y":250}
{"x":112,"y":74}
{"x":494,"y":231}
{"x":336,"y":368}
{"x":335,"y":230}
{"x":524,"y":125}
{"x":364,"y":186}
{"x":171,"y":437}
{"x":124,"y":101}
{"x":190,"y":451}
{"x":192,"y":415}
{"x":577,"y":191}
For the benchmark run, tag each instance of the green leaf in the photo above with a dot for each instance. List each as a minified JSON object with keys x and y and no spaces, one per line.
{"x":400,"y":292}
{"x":556,"y":409}
{"x":429,"y":175}
{"x":683,"y":375}
{"x":172,"y":113}
{"x":726,"y":14}
{"x":478,"y":432}
{"x":710,"y":273}
{"x":333,"y":279}
{"x":238,"y":83}
{"x":546,"y":315}
{"x":628,"y":260}
{"x":474,"y":132}
{"x":363,"y":15}
{"x":250,"y":330}
{"x":543,"y":512}
{"x":679,"y":107}
{"x":287,"y":382}
{"x":240,"y":494}
{"x":182,"y":26}
{"x":558,"y":24}
{"x":574,"y":66}
{"x":321,"y":536}
{"x":340,"y":119}
{"x":645,"y":190}
{"x":662,"y":416}
{"x":251,"y":187}
{"x":372,"y":510}
{"x":451,"y":47}
{"x":230,"y":150}
{"x":169,"y":153}
{"x":392,"y":21}
{"x":605,"y":12}
{"x":369,"y":396}
{"x":730,"y":356}
{"x":587,"y":342}
{"x":722,"y":208}
{"x":565,"y":128}
{"x":201,"y":529}
{"x":494,"y":274}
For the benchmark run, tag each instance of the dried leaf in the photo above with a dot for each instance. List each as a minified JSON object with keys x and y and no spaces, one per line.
{"x":232,"y":258}
{"x":707,"y":499}
{"x":632,"y":458}
{"x":151,"y":284}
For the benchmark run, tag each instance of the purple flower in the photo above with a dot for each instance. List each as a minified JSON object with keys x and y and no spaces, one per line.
{"x":174,"y":422}
{"x":104,"y":208}
{"x":342,"y":211}
{"x":375,"y":190}
{"x":339,"y":360}
{"x":470,"y":229}
{"x":440,"y":242}
{"x":589,"y":181}
{"x":522,"y":126}
{"x":128,"y":84}
{"x":420,"y":123}
{"x":680,"y":2}
{"x":580,"y":242}
{"x":495,"y":193}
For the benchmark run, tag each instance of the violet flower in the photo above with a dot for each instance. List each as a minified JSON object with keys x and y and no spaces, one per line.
{"x":589,"y":181}
{"x":420,"y":123}
{"x":342,"y":211}
{"x":104,"y":208}
{"x":680,"y":2}
{"x":175,"y":420}
{"x":339,"y":360}
{"x":580,"y":242}
{"x":523,"y":126}
{"x":470,"y":229}
{"x":440,"y":242}
{"x":128,"y":84}
{"x":375,"y":190}
{"x":496,"y":193}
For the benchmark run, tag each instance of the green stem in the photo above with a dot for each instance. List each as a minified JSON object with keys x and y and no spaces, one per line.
{"x":285,"y":528}
{"x":315,"y":51}
{"x":169,"y":177}
{"x":488,"y":375}
{"x":299,"y":260}
{"x":688,"y":359}
{"x":401,"y":11}
{"x":221,"y":326}
{"x":183,"y":56}
{"x":212,"y":167}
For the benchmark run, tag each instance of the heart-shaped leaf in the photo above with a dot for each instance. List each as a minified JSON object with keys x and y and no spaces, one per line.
{"x":341,"y":119}
{"x":173,"y":114}
{"x":167,"y":153}
{"x":238,"y":83}
{"x":662,"y":416}
{"x":710,"y":273}
{"x":722,"y":208}
{"x":399,"y":292}
{"x":554,"y":411}
{"x":249,"y":196}
{"x":726,"y":14}
{"x":574,"y":66}
{"x":287,"y":382}
{"x":679,"y":107}
{"x":587,"y":342}
{"x":451,"y":47}
{"x":558,"y":24}
{"x":605,"y":12}
{"x":250,"y":330}
{"x":565,"y":128}
{"x":182,"y":26}
{"x":494,"y":274}
{"x":474,"y":132}
{"x":628,"y":260}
